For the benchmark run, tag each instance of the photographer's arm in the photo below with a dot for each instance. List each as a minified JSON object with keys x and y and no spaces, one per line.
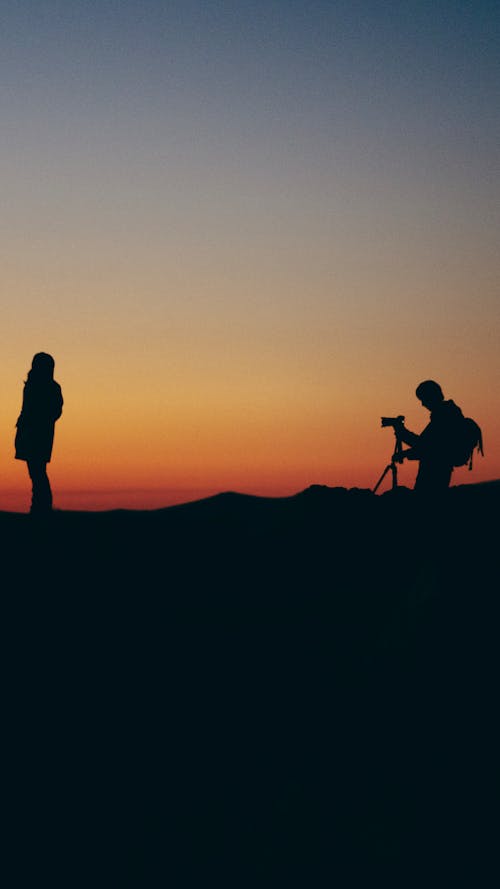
{"x":411,"y":454}
{"x":407,"y":437}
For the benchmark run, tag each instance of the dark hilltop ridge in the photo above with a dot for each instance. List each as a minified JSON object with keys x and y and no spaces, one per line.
{"x":255,"y":692}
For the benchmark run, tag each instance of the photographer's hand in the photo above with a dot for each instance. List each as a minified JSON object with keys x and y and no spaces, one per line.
{"x":398,"y":456}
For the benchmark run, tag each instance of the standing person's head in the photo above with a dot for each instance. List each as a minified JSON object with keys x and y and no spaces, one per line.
{"x":430,"y":394}
{"x":42,"y":368}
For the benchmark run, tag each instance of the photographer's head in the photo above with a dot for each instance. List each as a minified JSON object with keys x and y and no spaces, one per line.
{"x":430,"y":394}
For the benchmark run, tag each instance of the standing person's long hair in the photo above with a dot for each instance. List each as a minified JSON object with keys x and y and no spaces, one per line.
{"x":42,"y":369}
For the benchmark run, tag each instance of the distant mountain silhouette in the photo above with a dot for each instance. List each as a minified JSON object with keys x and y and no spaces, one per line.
{"x":255,"y":690}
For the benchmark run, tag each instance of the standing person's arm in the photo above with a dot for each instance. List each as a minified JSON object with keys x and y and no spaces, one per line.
{"x":57,"y":403}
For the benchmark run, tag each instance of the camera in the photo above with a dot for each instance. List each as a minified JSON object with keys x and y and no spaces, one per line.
{"x":393,"y":421}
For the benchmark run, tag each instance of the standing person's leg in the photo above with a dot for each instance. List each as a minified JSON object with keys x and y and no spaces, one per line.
{"x":41,"y":499}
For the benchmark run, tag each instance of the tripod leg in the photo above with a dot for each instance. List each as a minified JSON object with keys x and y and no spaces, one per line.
{"x":381,"y":479}
{"x":394,"y":470}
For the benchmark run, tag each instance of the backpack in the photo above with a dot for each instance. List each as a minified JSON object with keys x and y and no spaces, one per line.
{"x":467,"y":436}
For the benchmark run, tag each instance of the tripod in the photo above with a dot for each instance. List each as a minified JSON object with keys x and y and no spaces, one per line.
{"x":392,"y":466}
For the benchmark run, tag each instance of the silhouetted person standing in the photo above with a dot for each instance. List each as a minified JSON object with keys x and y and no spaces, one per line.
{"x":42,"y":406}
{"x":433,"y":447}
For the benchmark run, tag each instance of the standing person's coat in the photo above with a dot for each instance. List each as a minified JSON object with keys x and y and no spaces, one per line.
{"x":42,"y":406}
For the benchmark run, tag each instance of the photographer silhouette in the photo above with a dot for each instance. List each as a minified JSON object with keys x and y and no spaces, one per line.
{"x":433,"y":447}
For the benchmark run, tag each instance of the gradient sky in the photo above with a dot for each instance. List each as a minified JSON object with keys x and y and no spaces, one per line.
{"x":245,"y":230}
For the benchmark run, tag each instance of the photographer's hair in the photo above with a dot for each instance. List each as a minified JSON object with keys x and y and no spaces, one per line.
{"x":42,"y":368}
{"x":429,"y":389}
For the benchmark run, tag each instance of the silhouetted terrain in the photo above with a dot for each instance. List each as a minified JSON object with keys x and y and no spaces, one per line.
{"x":249,"y":691}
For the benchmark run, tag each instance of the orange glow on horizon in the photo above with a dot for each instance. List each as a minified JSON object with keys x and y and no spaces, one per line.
{"x":149,"y":445}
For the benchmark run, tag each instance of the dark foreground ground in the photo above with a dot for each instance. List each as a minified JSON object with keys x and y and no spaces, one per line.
{"x":251,"y":692}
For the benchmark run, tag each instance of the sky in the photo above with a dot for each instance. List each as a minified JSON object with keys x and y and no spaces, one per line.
{"x":245,"y":231}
